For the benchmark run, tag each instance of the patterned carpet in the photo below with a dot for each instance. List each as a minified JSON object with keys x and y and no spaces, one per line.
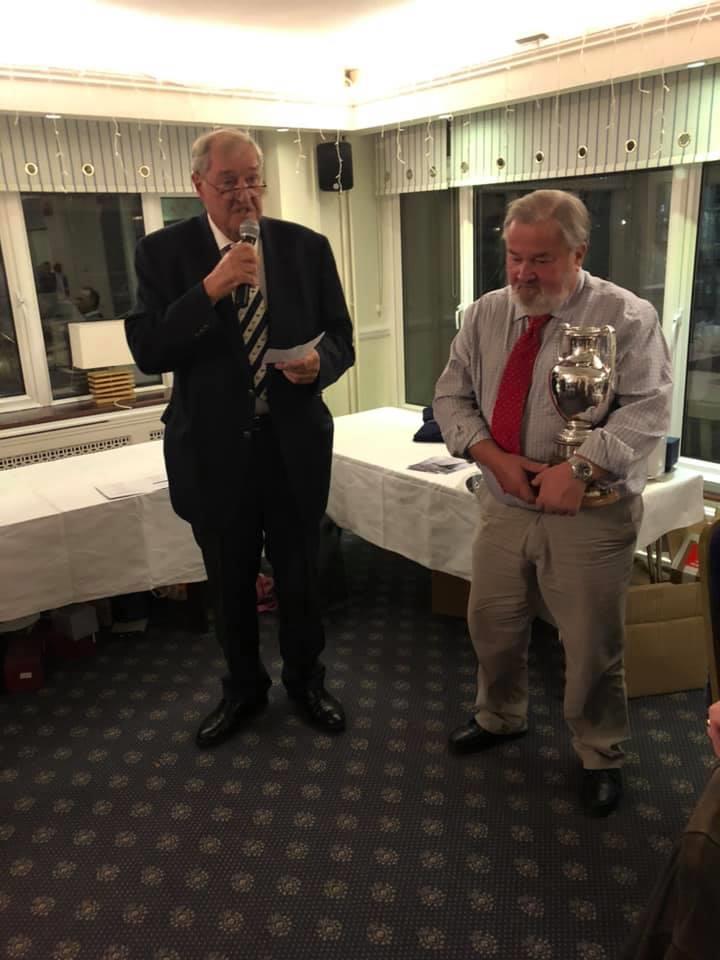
{"x":120,"y":841}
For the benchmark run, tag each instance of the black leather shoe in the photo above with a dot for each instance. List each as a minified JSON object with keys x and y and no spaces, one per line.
{"x":601,"y":791}
{"x":227,"y":717}
{"x":321,"y":709}
{"x":471,"y":738}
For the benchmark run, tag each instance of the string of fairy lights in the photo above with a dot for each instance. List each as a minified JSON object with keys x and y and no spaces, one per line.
{"x":656,"y":131}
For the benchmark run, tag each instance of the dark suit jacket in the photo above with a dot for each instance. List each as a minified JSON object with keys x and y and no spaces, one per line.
{"x":175,"y":327}
{"x":682,"y":919}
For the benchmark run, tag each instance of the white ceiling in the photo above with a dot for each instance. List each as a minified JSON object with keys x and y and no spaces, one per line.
{"x":298,"y":50}
{"x":290,"y":15}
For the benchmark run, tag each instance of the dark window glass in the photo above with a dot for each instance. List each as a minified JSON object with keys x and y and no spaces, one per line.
{"x":701,"y":423}
{"x":180,"y":208}
{"x":82,"y":248}
{"x":431,"y":283}
{"x":629,"y":214}
{"x":11,"y":378}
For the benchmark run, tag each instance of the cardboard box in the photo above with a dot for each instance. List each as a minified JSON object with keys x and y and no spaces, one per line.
{"x":674,"y":539}
{"x":664,"y":641}
{"x":448,"y":594}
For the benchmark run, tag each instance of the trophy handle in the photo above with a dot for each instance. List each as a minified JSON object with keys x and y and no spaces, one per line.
{"x":609,"y":348}
{"x":565,"y":339}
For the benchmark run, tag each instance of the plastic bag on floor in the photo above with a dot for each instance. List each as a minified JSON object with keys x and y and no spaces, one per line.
{"x":265,"y":590}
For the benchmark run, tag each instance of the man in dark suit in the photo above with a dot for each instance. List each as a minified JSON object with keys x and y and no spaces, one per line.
{"x":248,"y":447}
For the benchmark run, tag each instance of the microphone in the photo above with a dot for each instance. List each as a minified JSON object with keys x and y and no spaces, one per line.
{"x":248,"y":233}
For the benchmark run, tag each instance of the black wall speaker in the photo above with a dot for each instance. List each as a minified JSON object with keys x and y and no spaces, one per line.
{"x":329,"y":165}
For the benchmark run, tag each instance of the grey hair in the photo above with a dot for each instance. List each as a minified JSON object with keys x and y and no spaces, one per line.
{"x":567,"y":210}
{"x":224,"y":137}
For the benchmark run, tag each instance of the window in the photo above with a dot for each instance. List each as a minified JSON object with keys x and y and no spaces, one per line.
{"x":431,"y":283}
{"x":11,"y":378}
{"x":629,"y":213}
{"x":180,"y":208}
{"x":82,"y":248}
{"x":701,"y":423}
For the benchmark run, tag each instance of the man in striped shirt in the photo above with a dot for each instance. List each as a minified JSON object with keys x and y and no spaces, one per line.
{"x":536,"y":543}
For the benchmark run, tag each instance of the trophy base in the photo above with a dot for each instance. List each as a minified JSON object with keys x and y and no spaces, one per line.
{"x":594,"y":497}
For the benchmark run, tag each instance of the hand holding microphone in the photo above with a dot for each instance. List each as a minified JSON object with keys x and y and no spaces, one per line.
{"x":237,"y":270}
{"x":249,"y":233}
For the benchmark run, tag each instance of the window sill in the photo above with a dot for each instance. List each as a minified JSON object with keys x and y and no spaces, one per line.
{"x":61,"y":414}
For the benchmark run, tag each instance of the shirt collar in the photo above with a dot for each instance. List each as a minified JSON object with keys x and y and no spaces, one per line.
{"x":520,"y":313}
{"x":220,"y":238}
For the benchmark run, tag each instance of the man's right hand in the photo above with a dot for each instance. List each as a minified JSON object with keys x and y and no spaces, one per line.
{"x":512,"y":472}
{"x":238,"y":266}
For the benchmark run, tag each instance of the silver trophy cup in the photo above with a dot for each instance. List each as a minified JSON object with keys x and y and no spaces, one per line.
{"x":580,"y":386}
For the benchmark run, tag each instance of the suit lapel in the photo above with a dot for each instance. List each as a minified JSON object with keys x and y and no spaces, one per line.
{"x":282,"y":285}
{"x":208,"y":257}
{"x":272,"y":290}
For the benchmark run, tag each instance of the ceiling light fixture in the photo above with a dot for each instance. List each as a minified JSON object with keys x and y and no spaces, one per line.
{"x":53,"y":116}
{"x":282,"y":129}
{"x":533,"y":38}
{"x":696,"y":64}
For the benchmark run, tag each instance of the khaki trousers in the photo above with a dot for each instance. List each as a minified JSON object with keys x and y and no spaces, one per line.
{"x":580,"y":568}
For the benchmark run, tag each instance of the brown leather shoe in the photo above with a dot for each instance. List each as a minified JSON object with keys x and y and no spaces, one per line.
{"x":226,"y":719}
{"x":601,"y":791}
{"x":471,"y":738}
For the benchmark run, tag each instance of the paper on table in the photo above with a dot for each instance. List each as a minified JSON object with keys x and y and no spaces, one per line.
{"x":273,"y":355}
{"x":440,"y":465}
{"x":130,"y":488}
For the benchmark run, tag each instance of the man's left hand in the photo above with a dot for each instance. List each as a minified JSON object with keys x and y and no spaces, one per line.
{"x":304,"y":370}
{"x":558,"y":490}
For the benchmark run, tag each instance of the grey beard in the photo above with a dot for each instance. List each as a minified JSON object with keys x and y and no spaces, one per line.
{"x":543,"y":303}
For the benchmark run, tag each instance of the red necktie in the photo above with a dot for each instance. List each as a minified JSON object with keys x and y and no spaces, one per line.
{"x":514,"y":386}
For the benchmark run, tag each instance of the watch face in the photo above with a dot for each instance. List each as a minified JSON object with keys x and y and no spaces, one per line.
{"x":581,"y":470}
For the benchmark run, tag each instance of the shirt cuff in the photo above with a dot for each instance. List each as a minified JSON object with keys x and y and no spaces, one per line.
{"x":605,"y":450}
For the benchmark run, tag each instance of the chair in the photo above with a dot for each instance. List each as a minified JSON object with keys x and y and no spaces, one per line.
{"x":710,"y":587}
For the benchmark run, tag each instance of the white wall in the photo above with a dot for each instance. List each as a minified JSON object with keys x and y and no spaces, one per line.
{"x":375,"y":315}
{"x":350,"y":221}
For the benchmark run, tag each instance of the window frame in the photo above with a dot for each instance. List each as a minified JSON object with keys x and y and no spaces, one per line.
{"x":24,"y":305}
{"x":684,"y":225}
{"x":17,"y":259}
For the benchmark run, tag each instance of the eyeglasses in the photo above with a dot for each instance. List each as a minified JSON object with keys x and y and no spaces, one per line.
{"x":253,"y":185}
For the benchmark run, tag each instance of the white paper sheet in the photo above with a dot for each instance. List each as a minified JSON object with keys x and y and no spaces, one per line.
{"x":273,"y":355}
{"x":441,"y":465}
{"x":115,"y":490}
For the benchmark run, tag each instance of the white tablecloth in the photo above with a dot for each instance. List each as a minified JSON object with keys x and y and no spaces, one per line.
{"x":431,"y":518}
{"x":62,"y":541}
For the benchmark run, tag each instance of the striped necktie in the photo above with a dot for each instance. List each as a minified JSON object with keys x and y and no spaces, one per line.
{"x":254,"y":328}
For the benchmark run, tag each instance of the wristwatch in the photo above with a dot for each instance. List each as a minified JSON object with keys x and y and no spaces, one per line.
{"x":581,"y":469}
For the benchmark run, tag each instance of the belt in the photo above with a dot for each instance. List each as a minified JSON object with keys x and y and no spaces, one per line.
{"x":259,"y":421}
{"x":256,"y":424}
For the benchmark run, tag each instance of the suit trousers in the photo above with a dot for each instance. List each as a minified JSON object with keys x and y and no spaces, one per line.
{"x":579,"y":568}
{"x":265,"y":513}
